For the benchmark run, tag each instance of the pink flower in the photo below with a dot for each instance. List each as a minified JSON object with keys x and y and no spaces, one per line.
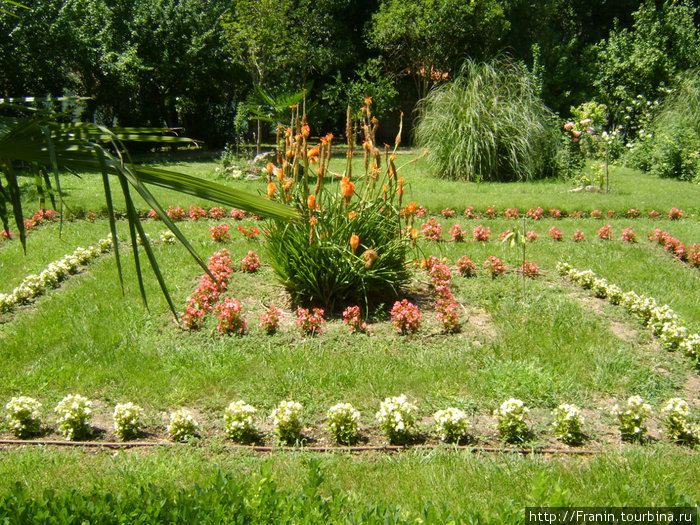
{"x":675,"y":214}
{"x":490,"y":212}
{"x":220,"y":233}
{"x":530,"y":269}
{"x":596,"y":214}
{"x":310,"y":323}
{"x":535,"y":213}
{"x":495,"y":266}
{"x":250,"y":263}
{"x":176,"y":214}
{"x":556,"y":234}
{"x":470,"y":214}
{"x":605,"y":232}
{"x":511,"y":213}
{"x":231,"y":320}
{"x":432,"y":230}
{"x":554,"y":213}
{"x":457,"y":233}
{"x":579,"y":236}
{"x":353,"y":320}
{"x":465,"y":267}
{"x":237,"y":214}
{"x":217,"y":213}
{"x":197,"y":213}
{"x":481,"y":233}
{"x":406,"y":317}
{"x":628,"y":235}
{"x":633,"y":213}
{"x":269,"y":321}
{"x":531,"y":236}
{"x":447,"y":212}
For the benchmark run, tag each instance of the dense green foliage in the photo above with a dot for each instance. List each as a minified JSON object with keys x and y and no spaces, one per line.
{"x":489,"y":124}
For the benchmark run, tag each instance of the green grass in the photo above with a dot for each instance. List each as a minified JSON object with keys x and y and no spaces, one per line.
{"x":560,"y":346}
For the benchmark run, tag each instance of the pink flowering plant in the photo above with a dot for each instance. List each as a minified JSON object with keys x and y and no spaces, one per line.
{"x":220,"y":233}
{"x":579,"y":236}
{"x":197,"y":213}
{"x":628,"y":235}
{"x":494,"y":265}
{"x":511,"y":213}
{"x":447,"y":212}
{"x":605,"y":233}
{"x":675,"y":214}
{"x":535,"y":213}
{"x":353,"y":320}
{"x":310,"y":322}
{"x":406,"y":317}
{"x":432,"y":230}
{"x":230,"y":315}
{"x":556,"y":234}
{"x":532,"y":236}
{"x":176,"y":214}
{"x":530,"y":269}
{"x":217,"y":213}
{"x":466,"y":267}
{"x":457,"y":233}
{"x":270,"y":320}
{"x":481,"y":233}
{"x":250,"y":263}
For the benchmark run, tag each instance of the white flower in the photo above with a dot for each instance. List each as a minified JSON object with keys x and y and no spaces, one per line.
{"x":287,"y":421}
{"x":23,"y":416}
{"x":344,"y":422}
{"x":127,"y":420}
{"x":396,"y":416}
{"x":182,"y":425}
{"x":451,"y":424}
{"x":75,"y":412}
{"x":239,"y":421}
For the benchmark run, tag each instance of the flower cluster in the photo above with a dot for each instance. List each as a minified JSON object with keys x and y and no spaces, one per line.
{"x":469,"y":213}
{"x":532,"y":236}
{"x":220,"y":233}
{"x":490,"y":212}
{"x":466,"y":267}
{"x":568,"y":424}
{"x":503,"y":235}
{"x":207,"y":293}
{"x":579,"y":236}
{"x":310,"y":323}
{"x":197,"y":213}
{"x":249,"y":233}
{"x":237,"y":215}
{"x":183,"y":426}
{"x":239,"y":424}
{"x":396,"y":418}
{"x":270,"y":319}
{"x":457,"y":233}
{"x":451,"y":424}
{"x":689,"y":254}
{"x":230,"y":315}
{"x":447,"y":212}
{"x":445,"y":304}
{"x":632,"y":213}
{"x":175,"y":213}
{"x":35,"y":285}
{"x":675,"y":214}
{"x":32,"y":222}
{"x":511,"y":422}
{"x":628,"y":235}
{"x":217,"y":213}
{"x":605,"y":233}
{"x":631,"y":418}
{"x":535,"y":213}
{"x":23,"y":416}
{"x":481,"y":234}
{"x":406,"y":317}
{"x":344,"y":422}
{"x":128,"y":418}
{"x":353,"y":320}
{"x":74,"y":414}
{"x":286,"y":419}
{"x":596,"y":214}
{"x":511,"y":213}
{"x":554,"y":213}
{"x":677,"y":426}
{"x":530,"y":269}
{"x":168,"y":237}
{"x":432,"y":230}
{"x":494,"y":265}
{"x":556,"y":234}
{"x":250,"y":263}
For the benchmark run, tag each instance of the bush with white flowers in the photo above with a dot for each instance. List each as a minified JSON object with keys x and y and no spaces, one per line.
{"x":23,"y":416}
{"x":286,"y":419}
{"x":182,"y":425}
{"x":128,"y":418}
{"x":672,"y":335}
{"x":631,"y":418}
{"x":168,"y":237}
{"x":677,"y":426}
{"x":568,"y":424}
{"x":691,"y":347}
{"x":600,"y":288}
{"x":511,"y":422}
{"x":239,"y":422}
{"x":74,"y":414}
{"x":451,"y":424}
{"x":614,"y":293}
{"x":344,"y":422}
{"x":397,"y":418}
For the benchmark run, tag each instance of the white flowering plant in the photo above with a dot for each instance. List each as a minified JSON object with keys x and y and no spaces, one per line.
{"x":691,"y":348}
{"x":568,"y":424}
{"x":451,"y":424}
{"x":677,"y":426}
{"x":511,"y":422}
{"x":23,"y":416}
{"x":74,"y":414}
{"x":397,"y":418}
{"x":239,"y":422}
{"x":631,"y":418}
{"x":344,"y":422}
{"x":168,"y":237}
{"x":128,"y":418}
{"x":183,"y":426}
{"x":286,"y":419}
{"x":672,"y":335}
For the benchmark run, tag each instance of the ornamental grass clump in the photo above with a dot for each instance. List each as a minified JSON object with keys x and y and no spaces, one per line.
{"x":344,"y":422}
{"x":128,"y":419}
{"x":631,"y":418}
{"x":23,"y":416}
{"x":452,"y":425}
{"x":676,"y":425}
{"x":183,"y":426}
{"x":239,"y":422}
{"x":568,"y":424}
{"x":286,"y":419}
{"x":349,"y":245}
{"x":74,"y":415}
{"x":397,"y":418}
{"x":511,"y":422}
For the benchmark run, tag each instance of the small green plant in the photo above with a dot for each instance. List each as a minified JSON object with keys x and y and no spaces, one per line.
{"x":23,"y":416}
{"x":183,"y":426}
{"x":568,"y":424}
{"x":451,"y":424}
{"x":74,"y":415}
{"x":286,"y":419}
{"x":128,"y":418}
{"x":239,"y":423}
{"x":511,"y":422}
{"x":397,"y":418}
{"x":677,"y":426}
{"x":344,"y":422}
{"x":631,"y":418}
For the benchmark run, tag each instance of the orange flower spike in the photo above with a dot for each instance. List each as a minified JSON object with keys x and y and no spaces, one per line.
{"x":411,"y":208}
{"x":271,"y":189}
{"x":311,"y":202}
{"x":279,"y":174}
{"x":366,"y":145}
{"x":354,"y":243}
{"x":313,"y":221}
{"x":352,"y":215}
{"x":305,"y":130}
{"x":288,"y":132}
{"x":347,"y":187}
{"x":270,"y":168}
{"x":368,"y":101}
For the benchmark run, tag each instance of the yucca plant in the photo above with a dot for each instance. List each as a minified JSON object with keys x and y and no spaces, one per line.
{"x":40,"y":140}
{"x":489,"y":124}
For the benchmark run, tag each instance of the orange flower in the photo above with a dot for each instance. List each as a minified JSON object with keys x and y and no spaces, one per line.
{"x":347,"y":187}
{"x":354,"y":242}
{"x":271,"y":189}
{"x":369,"y":255}
{"x":313,"y":152}
{"x":270,"y":167}
{"x":311,"y":202}
{"x":313,"y":221}
{"x":305,"y":130}
{"x":325,"y":140}
{"x":576,"y":133}
{"x":279,"y":174}
{"x":288,"y":132}
{"x":414,"y":234}
{"x":366,"y":145}
{"x":352,"y":215}
{"x":368,"y":101}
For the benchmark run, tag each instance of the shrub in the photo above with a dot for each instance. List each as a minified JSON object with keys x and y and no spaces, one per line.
{"x":270,"y":320}
{"x":489,"y":124}
{"x":530,"y":269}
{"x":74,"y":414}
{"x":494,"y":265}
{"x":511,"y":213}
{"x":631,"y":419}
{"x":406,"y":317}
{"x":239,"y":424}
{"x":556,"y":234}
{"x":511,"y":422}
{"x":183,"y":426}
{"x":23,"y":416}
{"x":396,"y":418}
{"x":344,"y":422}
{"x":481,"y":234}
{"x":128,"y":417}
{"x":605,"y":233}
{"x":466,"y":267}
{"x":451,"y":425}
{"x":677,"y":427}
{"x":250,"y":263}
{"x":286,"y":419}
{"x":220,"y":233}
{"x":568,"y":424}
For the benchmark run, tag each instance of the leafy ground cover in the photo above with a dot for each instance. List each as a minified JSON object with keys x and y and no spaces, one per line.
{"x":561,"y":345}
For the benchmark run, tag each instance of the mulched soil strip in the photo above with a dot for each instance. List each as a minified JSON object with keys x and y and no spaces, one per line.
{"x":254,"y":448}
